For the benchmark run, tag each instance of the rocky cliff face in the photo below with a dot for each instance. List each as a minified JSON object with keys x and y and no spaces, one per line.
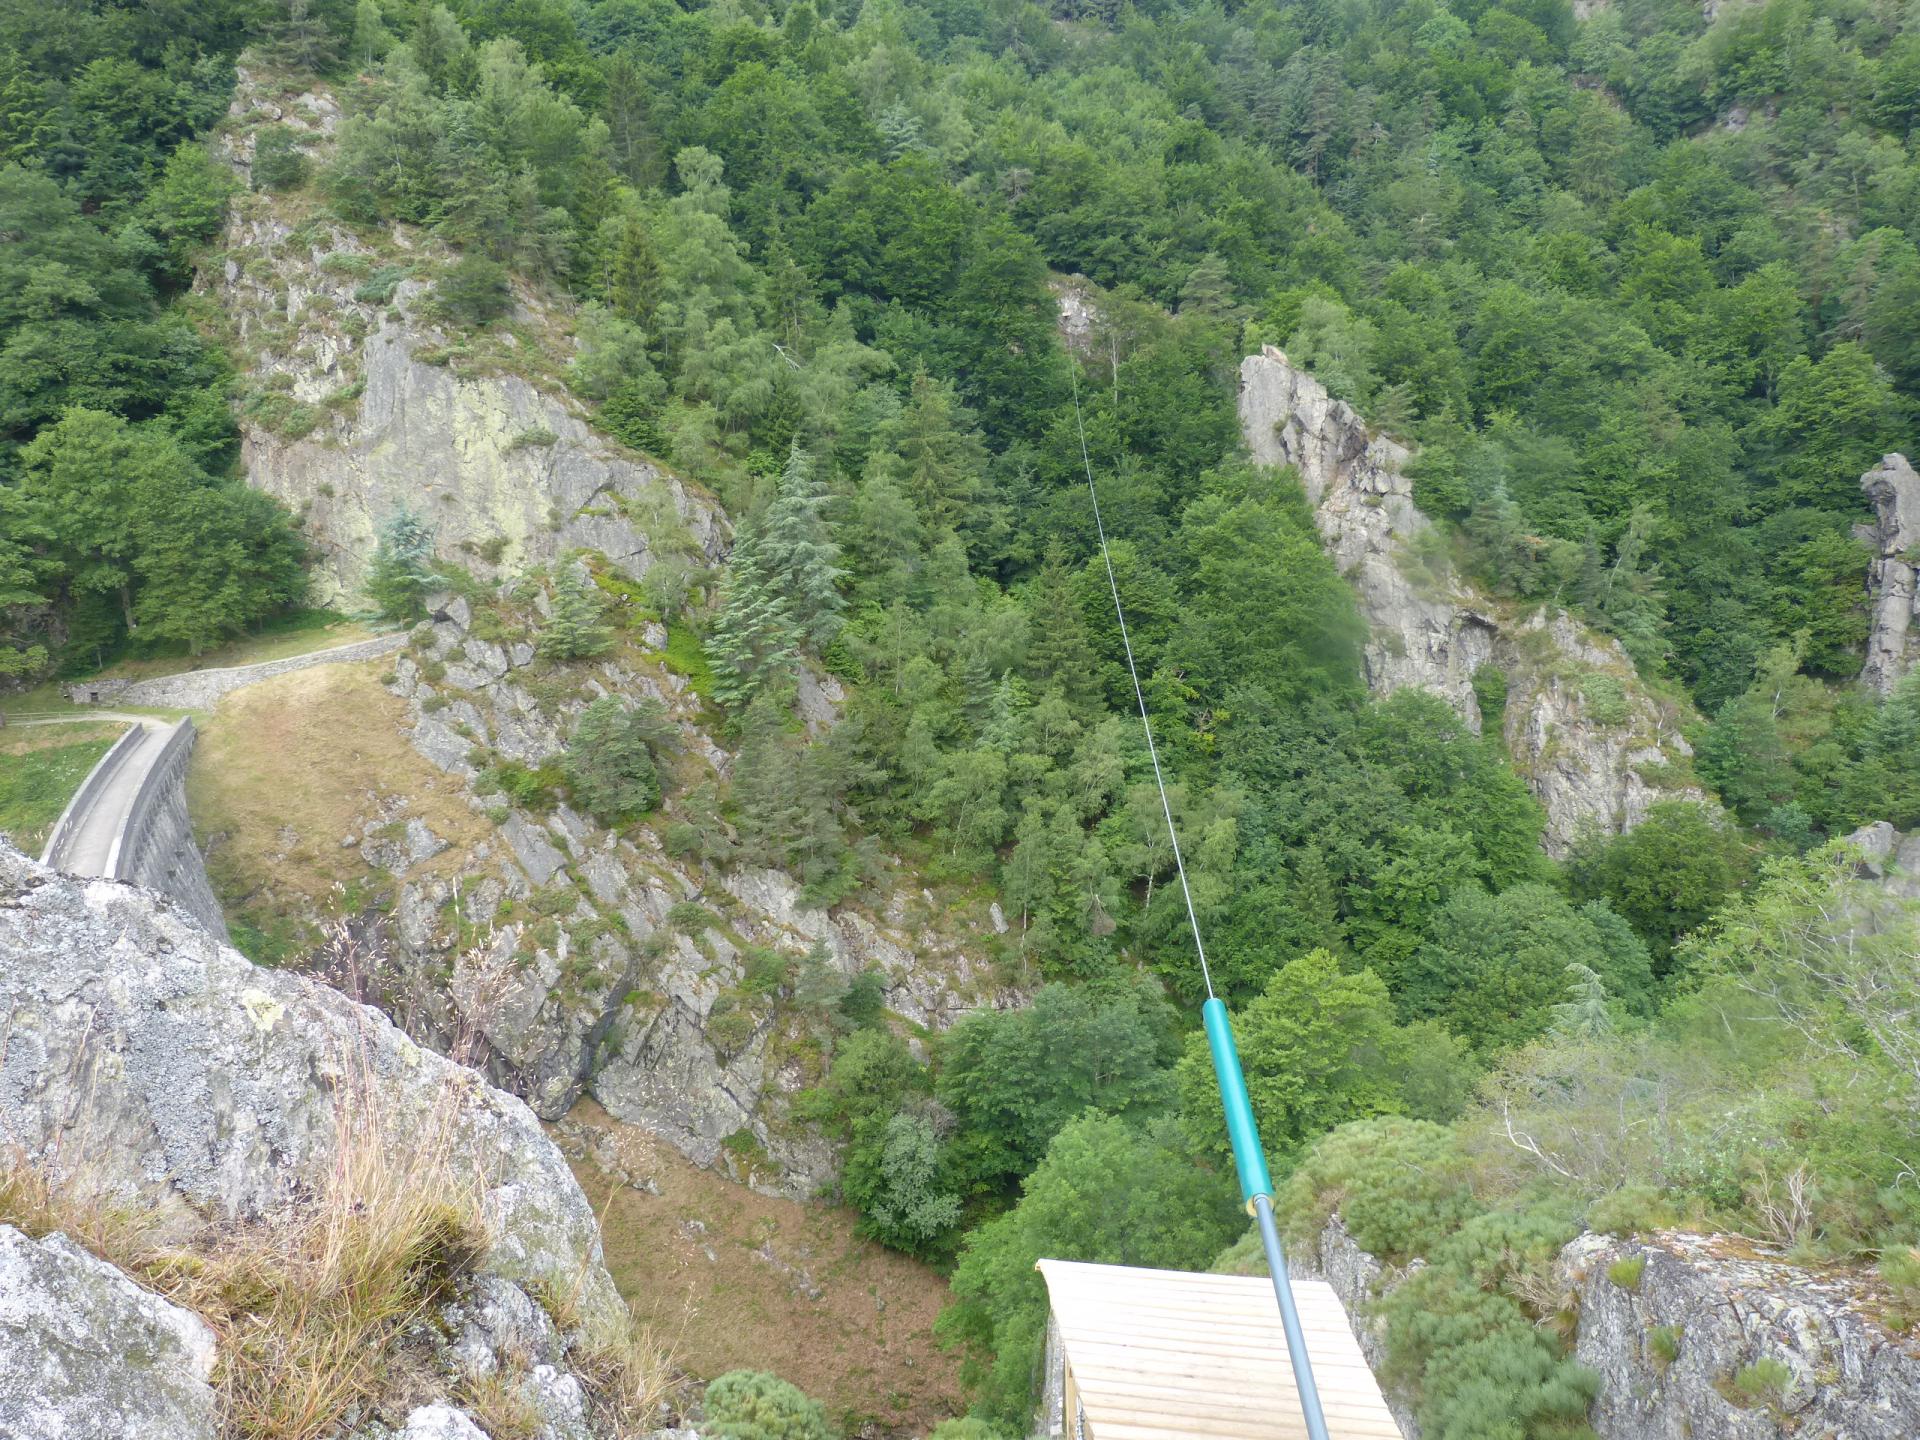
{"x":1893,"y":644}
{"x":361,"y":406}
{"x":1595,"y":746}
{"x":177,"y":1080}
{"x":1686,"y":1332}
{"x":573,"y":958}
{"x":584,"y":960}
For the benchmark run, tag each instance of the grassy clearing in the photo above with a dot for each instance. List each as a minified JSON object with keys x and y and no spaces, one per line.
{"x":286,"y":769}
{"x":864,"y":1348}
{"x":40,"y":768}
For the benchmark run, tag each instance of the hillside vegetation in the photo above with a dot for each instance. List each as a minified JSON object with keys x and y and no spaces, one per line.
{"x":1644,"y":290}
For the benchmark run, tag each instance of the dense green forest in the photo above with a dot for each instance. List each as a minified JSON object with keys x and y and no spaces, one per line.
{"x":1643,"y":289}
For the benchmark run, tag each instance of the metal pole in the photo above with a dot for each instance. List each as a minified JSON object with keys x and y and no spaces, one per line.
{"x":1256,"y":1188}
{"x":1290,"y":1320}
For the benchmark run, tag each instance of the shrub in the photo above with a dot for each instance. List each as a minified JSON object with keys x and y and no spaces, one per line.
{"x":865,"y":1002}
{"x":526,"y":787}
{"x":378,"y":288}
{"x":1606,"y":698}
{"x":1766,"y":1382}
{"x":536,"y":437}
{"x":278,"y":163}
{"x":609,"y":762}
{"x":1490,"y":692}
{"x":689,"y":917}
{"x":753,"y":1405}
{"x":1400,"y":1185}
{"x":473,"y":291}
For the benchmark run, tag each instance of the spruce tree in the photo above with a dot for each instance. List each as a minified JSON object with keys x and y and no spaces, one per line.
{"x":755,"y":638}
{"x":799,"y":553}
{"x":402,"y":570}
{"x":577,"y":627}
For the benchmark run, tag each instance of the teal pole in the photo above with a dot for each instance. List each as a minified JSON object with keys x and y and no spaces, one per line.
{"x":1256,"y":1190}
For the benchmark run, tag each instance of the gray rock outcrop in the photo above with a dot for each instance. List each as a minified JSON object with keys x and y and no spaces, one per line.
{"x":1425,"y":635}
{"x":1685,"y":1330}
{"x":1596,"y":748}
{"x":1889,"y":857}
{"x":86,"y":1354}
{"x":190,"y":1083}
{"x":610,"y":967}
{"x":1893,"y":642}
{"x":363,"y":406}
{"x":1682,"y":1328}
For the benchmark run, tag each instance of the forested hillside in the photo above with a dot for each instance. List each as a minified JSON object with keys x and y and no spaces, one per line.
{"x":1642,"y":290}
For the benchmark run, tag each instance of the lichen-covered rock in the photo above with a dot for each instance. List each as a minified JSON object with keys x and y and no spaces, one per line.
{"x":86,"y":1354}
{"x":1596,"y":748}
{"x":369,"y":413}
{"x":1889,"y":857}
{"x":1685,"y":1332}
{"x":1676,"y":1325}
{"x":1893,"y":643}
{"x":179,"y":1073}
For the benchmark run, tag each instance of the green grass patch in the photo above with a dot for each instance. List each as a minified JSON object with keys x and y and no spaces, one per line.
{"x":35,"y":785}
{"x":684,"y":656}
{"x":1626,"y":1271}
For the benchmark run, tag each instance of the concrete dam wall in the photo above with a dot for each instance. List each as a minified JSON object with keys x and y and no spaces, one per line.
{"x":128,"y":821}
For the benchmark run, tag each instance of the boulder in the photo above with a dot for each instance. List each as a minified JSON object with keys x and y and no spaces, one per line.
{"x":86,"y":1354}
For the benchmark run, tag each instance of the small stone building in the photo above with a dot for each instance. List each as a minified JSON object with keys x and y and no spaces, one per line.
{"x":1168,"y":1355}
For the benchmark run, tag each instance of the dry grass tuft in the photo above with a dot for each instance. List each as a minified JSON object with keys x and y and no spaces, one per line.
{"x":41,"y":1199}
{"x":313,"y":1309}
{"x":319,"y":1310}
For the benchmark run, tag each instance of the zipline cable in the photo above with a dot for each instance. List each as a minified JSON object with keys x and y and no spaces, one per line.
{"x":1249,"y":1157}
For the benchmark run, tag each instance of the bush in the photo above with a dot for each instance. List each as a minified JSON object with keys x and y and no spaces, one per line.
{"x":1766,"y":1382}
{"x":278,"y":163}
{"x":1400,"y":1185}
{"x":378,"y":288}
{"x":609,"y":762}
{"x":1490,"y":693}
{"x":753,"y":1405}
{"x":474,"y":291}
{"x":866,"y":999}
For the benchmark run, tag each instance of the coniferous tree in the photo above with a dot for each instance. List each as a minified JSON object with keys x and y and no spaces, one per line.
{"x":799,"y":553}
{"x":755,"y":639}
{"x":402,"y":571}
{"x":576,"y":629}
{"x":610,"y":758}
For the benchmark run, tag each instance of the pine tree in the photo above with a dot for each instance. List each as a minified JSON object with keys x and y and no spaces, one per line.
{"x":402,"y":570}
{"x":755,"y":638}
{"x":799,"y":553}
{"x":1583,"y":1015}
{"x":577,"y":627}
{"x":301,"y":40}
{"x":1060,"y":654}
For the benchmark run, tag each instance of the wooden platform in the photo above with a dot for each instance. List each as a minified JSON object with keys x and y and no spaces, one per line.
{"x":1154,"y":1354}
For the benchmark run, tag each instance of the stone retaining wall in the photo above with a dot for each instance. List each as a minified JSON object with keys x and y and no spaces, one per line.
{"x":201,"y":689}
